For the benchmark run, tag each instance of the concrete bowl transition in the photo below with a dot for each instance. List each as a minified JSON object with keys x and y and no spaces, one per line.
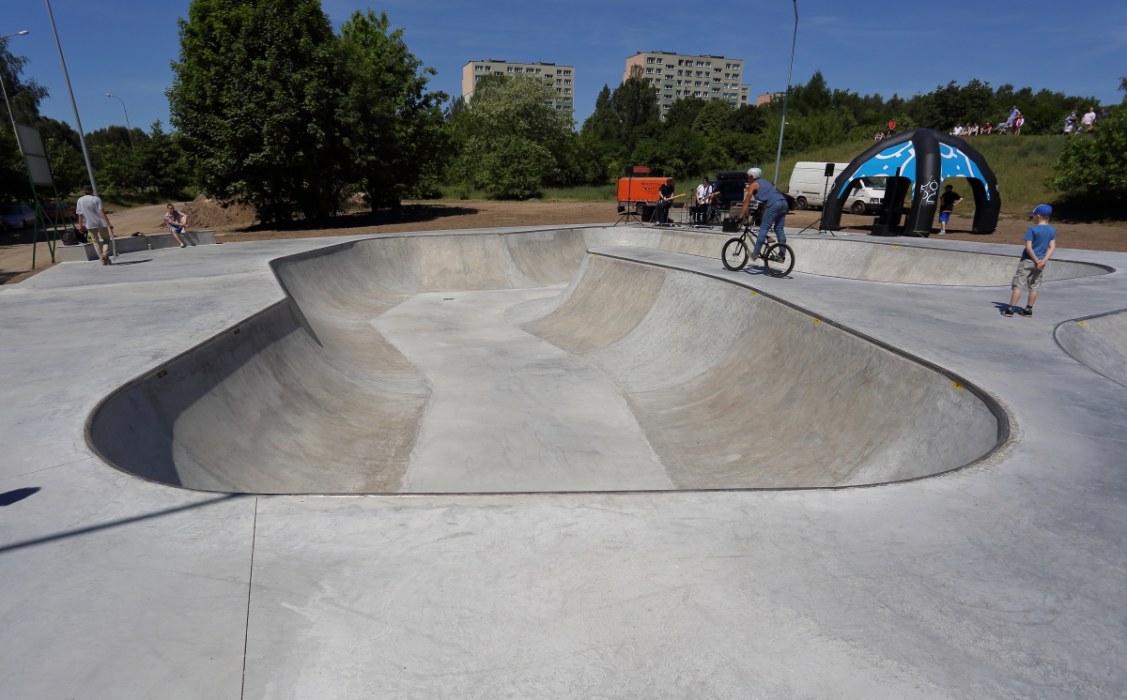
{"x":545,"y":362}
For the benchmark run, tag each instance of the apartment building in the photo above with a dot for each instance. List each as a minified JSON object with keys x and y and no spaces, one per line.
{"x":560,"y":79}
{"x":679,"y":75}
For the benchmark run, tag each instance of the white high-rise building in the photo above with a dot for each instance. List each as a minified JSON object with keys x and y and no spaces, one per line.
{"x":560,"y":79}
{"x":677,"y":76}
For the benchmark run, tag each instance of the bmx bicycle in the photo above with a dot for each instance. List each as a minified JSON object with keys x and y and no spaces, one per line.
{"x":778,"y":258}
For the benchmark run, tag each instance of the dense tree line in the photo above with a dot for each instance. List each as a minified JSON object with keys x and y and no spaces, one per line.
{"x":272,"y":107}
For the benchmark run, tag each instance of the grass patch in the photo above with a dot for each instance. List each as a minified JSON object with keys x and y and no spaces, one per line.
{"x":586,"y":193}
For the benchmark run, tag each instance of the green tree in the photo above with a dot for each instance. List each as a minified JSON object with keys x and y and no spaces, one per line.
{"x":515,"y":142}
{"x":1092,"y":168}
{"x":24,"y":97}
{"x":634,"y":102}
{"x":394,"y":127}
{"x":164,"y":167}
{"x":813,"y":96}
{"x":747,"y":119}
{"x":254,"y":96}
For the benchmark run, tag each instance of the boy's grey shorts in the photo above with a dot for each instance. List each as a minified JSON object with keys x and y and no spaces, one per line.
{"x":1027,"y":275}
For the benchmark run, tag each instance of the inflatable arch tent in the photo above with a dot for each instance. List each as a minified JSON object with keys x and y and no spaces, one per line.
{"x":919,"y":161}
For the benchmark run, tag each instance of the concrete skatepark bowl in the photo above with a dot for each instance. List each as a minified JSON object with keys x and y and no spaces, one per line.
{"x":461,"y":363}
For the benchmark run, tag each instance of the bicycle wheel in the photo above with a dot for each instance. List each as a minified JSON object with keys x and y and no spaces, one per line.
{"x":734,"y":255}
{"x":778,"y":259}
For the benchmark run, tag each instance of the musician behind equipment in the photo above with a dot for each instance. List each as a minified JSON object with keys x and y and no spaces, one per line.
{"x":665,"y":194}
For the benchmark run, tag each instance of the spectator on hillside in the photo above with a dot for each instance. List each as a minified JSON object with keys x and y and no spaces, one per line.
{"x":1087,"y":121}
{"x":1018,"y":123}
{"x":1070,"y":123}
{"x":987,"y":128}
{"x":1014,"y":114}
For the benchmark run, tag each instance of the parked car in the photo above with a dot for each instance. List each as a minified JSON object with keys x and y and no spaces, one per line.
{"x":59,"y":210}
{"x":16,"y":216}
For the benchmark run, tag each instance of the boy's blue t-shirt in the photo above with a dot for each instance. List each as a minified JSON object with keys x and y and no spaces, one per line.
{"x":1040,"y":234}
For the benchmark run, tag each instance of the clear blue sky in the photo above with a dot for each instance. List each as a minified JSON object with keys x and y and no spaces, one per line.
{"x":125,"y":46}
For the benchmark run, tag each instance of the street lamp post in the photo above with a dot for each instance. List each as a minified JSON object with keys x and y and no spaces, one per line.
{"x":73,"y":104}
{"x":783,"y":126}
{"x":128,"y":129}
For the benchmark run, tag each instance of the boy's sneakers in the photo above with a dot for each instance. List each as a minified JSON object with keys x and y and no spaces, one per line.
{"x":1008,"y":311}
{"x":1027,"y":311}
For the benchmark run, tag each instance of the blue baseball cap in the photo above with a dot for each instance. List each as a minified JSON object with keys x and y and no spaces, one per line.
{"x":1042,"y":210}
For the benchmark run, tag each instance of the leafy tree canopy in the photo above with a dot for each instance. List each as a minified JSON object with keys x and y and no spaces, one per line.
{"x":515,"y":142}
{"x":254,"y":96}
{"x":393,"y":127}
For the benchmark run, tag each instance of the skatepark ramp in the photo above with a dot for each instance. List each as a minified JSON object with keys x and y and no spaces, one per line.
{"x":522,"y":362}
{"x":1098,"y":342}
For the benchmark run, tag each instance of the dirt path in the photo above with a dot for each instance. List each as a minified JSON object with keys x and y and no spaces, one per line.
{"x":233,"y":225}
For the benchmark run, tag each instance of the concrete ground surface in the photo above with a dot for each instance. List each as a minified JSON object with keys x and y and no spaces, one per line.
{"x":1002,"y":579}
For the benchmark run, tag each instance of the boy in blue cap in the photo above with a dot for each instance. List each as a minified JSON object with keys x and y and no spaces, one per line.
{"x":1040,"y":243}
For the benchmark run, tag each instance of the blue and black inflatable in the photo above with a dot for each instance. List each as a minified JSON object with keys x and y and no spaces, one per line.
{"x":918,"y":162}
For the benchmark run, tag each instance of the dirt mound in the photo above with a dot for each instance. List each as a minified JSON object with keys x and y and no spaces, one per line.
{"x":216,"y":215}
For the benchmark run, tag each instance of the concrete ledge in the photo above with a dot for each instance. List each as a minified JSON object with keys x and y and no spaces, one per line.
{"x":132,"y":244}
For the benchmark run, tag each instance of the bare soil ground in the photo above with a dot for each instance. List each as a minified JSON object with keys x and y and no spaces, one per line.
{"x":233,"y":224}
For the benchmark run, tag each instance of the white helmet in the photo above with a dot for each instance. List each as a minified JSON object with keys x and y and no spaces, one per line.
{"x":755,"y":172}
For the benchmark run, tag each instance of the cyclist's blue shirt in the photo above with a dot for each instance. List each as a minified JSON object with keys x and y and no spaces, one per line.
{"x":768,"y":193}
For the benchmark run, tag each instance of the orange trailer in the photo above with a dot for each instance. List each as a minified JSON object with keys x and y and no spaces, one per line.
{"x":639,"y":195}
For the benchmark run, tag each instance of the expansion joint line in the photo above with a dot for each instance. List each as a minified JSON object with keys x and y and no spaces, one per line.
{"x":250,"y":587}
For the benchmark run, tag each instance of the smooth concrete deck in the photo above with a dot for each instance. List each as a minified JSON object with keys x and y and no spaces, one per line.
{"x":1003,"y":579}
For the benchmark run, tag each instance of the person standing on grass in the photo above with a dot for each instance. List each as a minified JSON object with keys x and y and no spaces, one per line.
{"x":1040,"y":243}
{"x":92,"y":218}
{"x":947,"y":202}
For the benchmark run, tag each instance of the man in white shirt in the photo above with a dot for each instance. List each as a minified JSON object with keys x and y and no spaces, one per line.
{"x":705,"y":196}
{"x":1088,"y":120}
{"x":92,"y":217}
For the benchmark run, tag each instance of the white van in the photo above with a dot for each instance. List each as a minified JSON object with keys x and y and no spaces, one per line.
{"x":809,"y":185}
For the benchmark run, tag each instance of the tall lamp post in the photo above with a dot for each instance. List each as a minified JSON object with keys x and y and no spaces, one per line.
{"x":783,"y":126}
{"x":73,"y":104}
{"x":128,"y":129}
